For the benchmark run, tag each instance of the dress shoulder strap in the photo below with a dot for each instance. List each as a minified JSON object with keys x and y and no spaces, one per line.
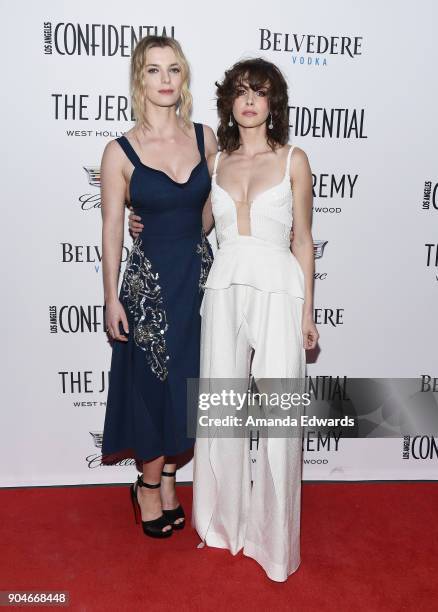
{"x":289,"y":156}
{"x":199,"y":131}
{"x":216,"y":160}
{"x":129,"y":151}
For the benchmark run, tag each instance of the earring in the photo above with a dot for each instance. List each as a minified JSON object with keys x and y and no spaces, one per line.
{"x":230,"y":122}
{"x":270,"y":124}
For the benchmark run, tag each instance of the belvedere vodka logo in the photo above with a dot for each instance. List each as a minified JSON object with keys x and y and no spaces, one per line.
{"x":311,"y":49}
{"x":86,"y":253}
{"x":329,"y":316}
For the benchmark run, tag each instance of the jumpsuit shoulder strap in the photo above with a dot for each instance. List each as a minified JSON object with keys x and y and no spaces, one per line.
{"x":216,"y":161}
{"x":288,"y":161}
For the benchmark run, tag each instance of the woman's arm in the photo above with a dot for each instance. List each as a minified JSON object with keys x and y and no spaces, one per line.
{"x":113,"y":189}
{"x":210,"y":153}
{"x":207,"y":216}
{"x":302,"y":241}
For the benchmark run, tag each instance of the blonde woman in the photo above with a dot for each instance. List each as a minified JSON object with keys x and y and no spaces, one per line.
{"x":159,"y":168}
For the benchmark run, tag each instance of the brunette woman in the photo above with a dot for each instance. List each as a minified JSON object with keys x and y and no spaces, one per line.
{"x":257,"y":318}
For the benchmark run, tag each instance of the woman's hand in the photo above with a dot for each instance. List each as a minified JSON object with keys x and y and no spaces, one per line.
{"x":310,"y":333}
{"x":135,"y":225}
{"x":114,"y":315}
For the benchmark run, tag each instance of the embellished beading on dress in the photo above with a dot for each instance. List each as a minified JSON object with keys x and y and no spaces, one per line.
{"x":141,"y":294}
{"x":161,"y":291}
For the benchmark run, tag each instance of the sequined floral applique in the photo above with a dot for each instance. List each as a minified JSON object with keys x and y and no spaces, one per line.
{"x":141,"y":294}
{"x":204,"y":249}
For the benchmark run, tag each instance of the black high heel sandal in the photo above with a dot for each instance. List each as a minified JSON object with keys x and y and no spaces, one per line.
{"x":153,"y":528}
{"x":176,"y":513}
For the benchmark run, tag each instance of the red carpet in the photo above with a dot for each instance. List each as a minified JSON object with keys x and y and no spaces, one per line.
{"x":365,"y":547}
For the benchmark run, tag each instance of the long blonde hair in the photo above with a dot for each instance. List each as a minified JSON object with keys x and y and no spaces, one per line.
{"x":138,"y":89}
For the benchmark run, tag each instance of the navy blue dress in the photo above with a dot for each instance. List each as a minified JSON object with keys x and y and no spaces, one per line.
{"x":161,"y":292}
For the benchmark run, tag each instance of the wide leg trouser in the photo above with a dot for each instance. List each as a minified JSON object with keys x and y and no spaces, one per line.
{"x":263,"y":519}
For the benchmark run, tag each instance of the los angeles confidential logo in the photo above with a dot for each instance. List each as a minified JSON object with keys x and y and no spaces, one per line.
{"x":97,"y":39}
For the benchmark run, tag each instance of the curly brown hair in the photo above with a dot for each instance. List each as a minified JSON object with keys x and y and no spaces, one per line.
{"x":257,"y":73}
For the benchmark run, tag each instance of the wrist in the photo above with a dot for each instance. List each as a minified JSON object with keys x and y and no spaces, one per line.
{"x":111,"y":298}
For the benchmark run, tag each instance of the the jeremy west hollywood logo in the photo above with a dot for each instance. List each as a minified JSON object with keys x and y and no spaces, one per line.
{"x":431,"y":254}
{"x":85,"y":107}
{"x":310,"y":49}
{"x":322,"y":443}
{"x":328,"y":186}
{"x":97,"y":39}
{"x":432,"y":257}
{"x":83,"y":381}
{"x":331,"y":185}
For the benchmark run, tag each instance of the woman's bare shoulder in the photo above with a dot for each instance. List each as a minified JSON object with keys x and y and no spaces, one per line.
{"x":210,"y":161}
{"x":299,"y":155}
{"x":209,"y":140}
{"x":299,"y":165}
{"x":113,"y":155}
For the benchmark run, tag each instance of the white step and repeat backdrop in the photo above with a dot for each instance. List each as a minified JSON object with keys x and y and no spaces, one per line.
{"x":363,"y":101}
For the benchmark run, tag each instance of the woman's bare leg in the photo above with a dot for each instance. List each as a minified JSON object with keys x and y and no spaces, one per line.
{"x":150,"y":499}
{"x":168,"y":492}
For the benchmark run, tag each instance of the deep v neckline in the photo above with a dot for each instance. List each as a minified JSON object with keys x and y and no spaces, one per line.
{"x":263,"y":193}
{"x":258,"y":196}
{"x":180,"y":184}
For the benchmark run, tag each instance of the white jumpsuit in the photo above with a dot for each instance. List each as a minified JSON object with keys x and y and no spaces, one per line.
{"x":252,"y":302}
